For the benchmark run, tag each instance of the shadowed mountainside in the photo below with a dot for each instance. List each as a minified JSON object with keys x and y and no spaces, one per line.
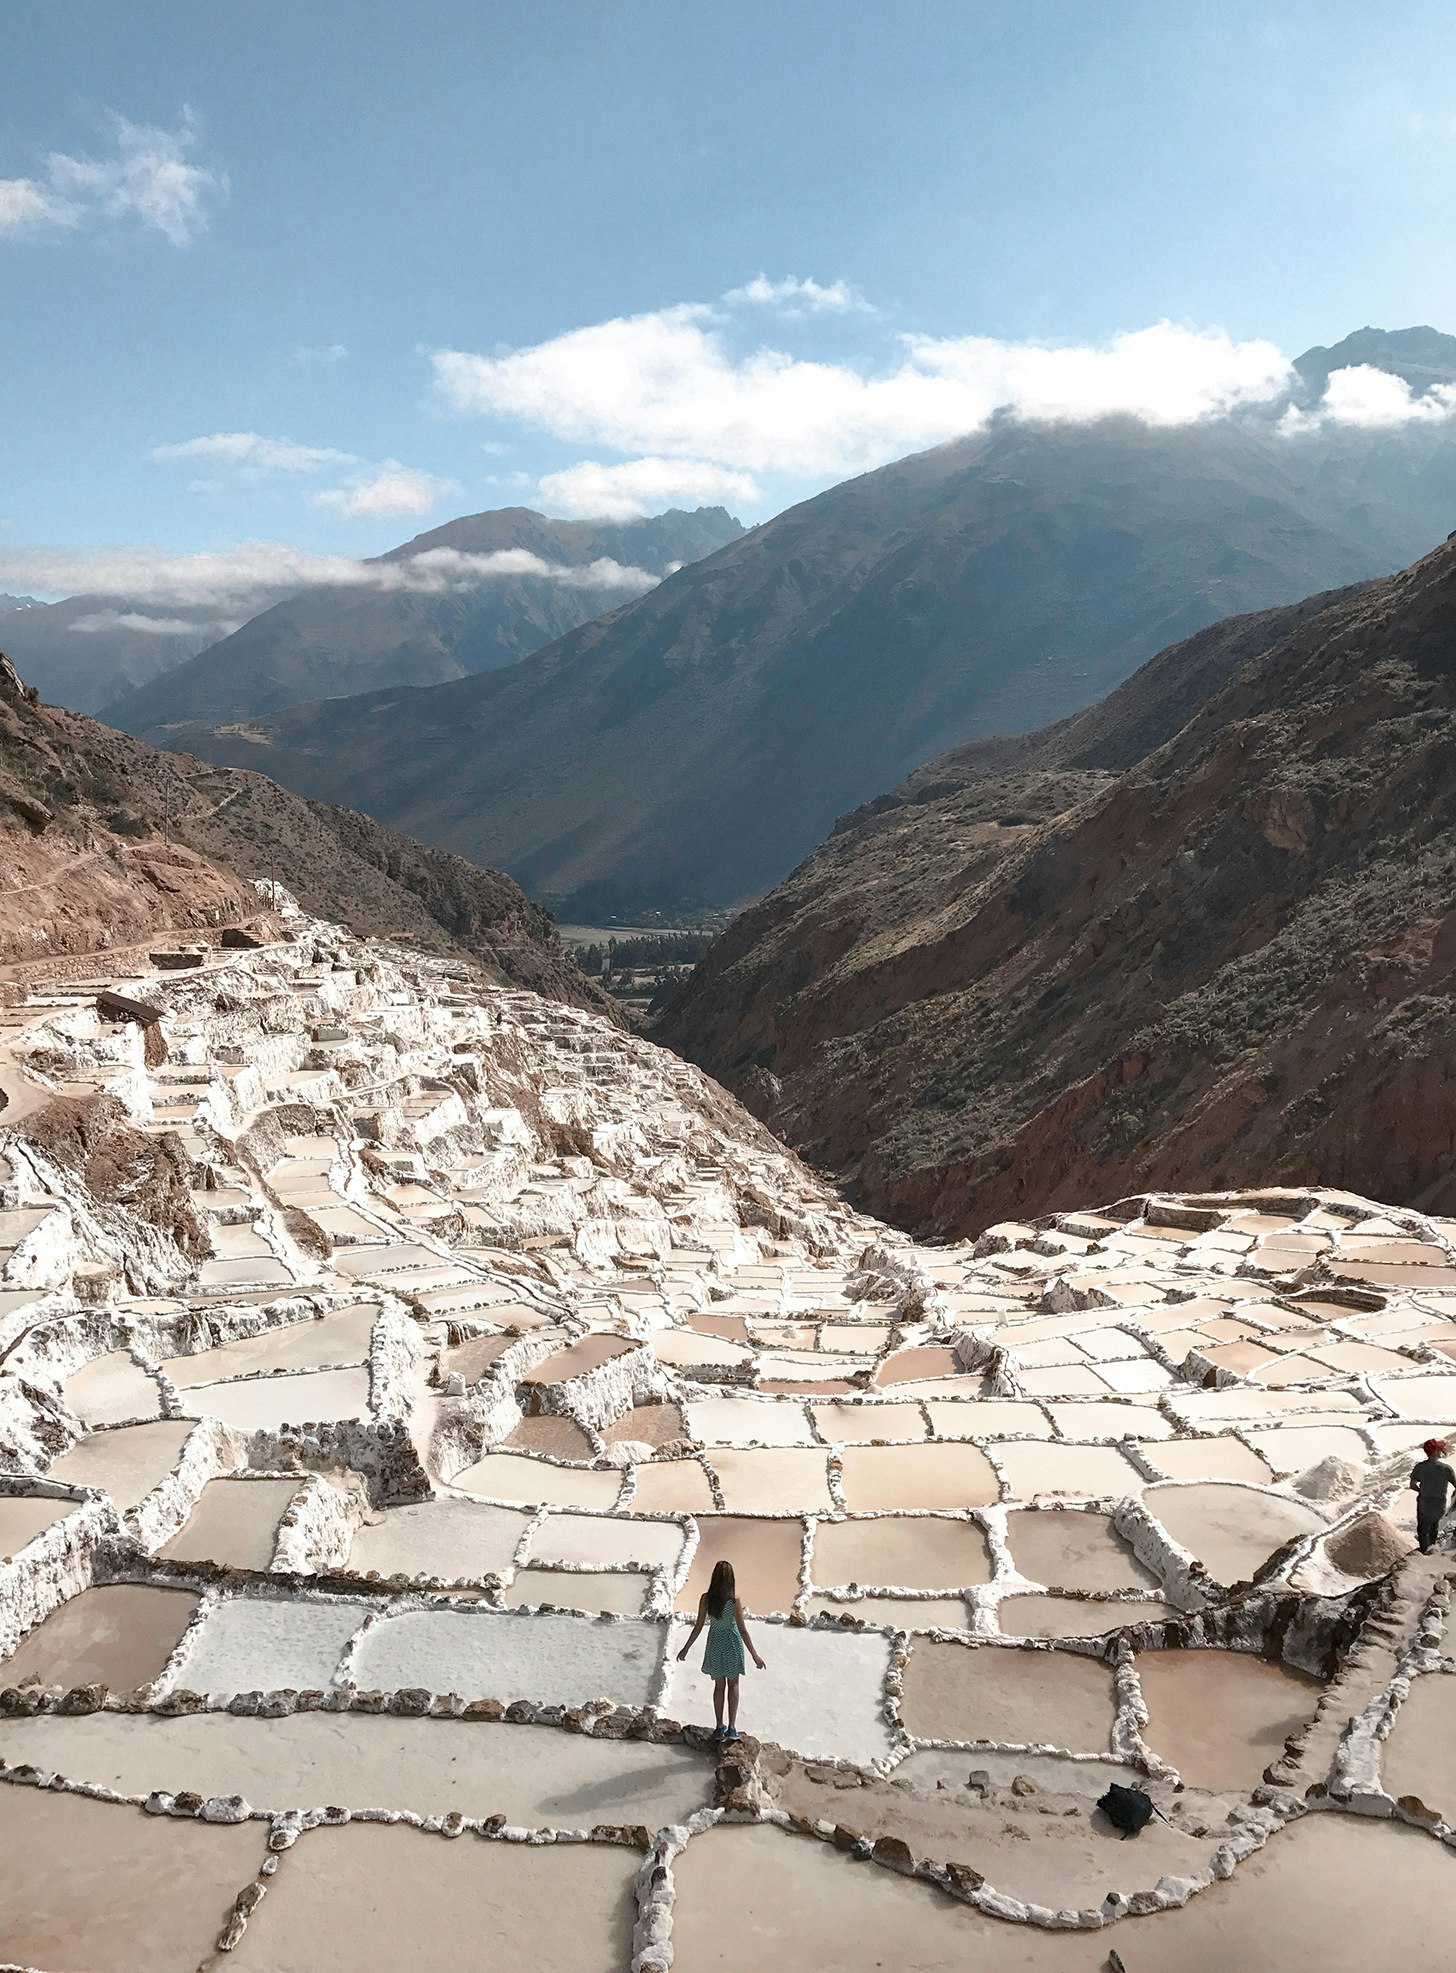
{"x":1206,"y":928}
{"x":688,"y":750}
{"x":336,"y":639}
{"x":112,"y":651}
{"x":106,"y":841}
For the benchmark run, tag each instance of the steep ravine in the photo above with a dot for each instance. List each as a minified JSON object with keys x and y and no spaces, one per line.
{"x":1233,"y":955}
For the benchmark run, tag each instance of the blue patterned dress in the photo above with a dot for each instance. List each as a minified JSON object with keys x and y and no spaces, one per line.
{"x":723,"y":1655}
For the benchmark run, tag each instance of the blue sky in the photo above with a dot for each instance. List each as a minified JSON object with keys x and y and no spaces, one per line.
{"x":325,"y":276}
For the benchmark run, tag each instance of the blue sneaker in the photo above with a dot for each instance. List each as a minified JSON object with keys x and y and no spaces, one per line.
{"x":720,"y":1733}
{"x":731,"y":1733}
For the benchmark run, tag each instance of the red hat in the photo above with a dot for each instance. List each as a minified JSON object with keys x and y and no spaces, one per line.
{"x":1433,"y":1448}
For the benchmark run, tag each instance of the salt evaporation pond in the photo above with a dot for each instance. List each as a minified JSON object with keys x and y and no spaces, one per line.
{"x":234,"y":1523}
{"x":1220,"y":1717}
{"x":115,"y":1634}
{"x":1332,"y":1894}
{"x":1232,"y":1530}
{"x":685,"y":1286}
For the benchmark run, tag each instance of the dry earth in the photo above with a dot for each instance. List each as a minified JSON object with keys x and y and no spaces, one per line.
{"x":106,"y":843}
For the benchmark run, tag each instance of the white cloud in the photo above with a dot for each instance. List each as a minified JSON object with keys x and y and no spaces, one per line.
{"x":1372,"y":399}
{"x":373,"y":491}
{"x":667,"y":384}
{"x":152,"y":626}
{"x":796,"y":297}
{"x":449,"y":568}
{"x":148,"y":178}
{"x":387,"y":489}
{"x":324,"y":353}
{"x":251,"y":450}
{"x":644,"y":486}
{"x":26,"y":204}
{"x":240,"y":581}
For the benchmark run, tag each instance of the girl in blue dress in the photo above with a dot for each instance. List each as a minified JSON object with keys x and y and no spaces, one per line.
{"x":720,"y":1609}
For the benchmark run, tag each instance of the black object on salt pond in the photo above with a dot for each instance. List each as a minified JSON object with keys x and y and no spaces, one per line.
{"x":1127,"y":1809}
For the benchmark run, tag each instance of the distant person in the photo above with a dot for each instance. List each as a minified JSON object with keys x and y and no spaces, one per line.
{"x":1431,"y":1480}
{"x":720,"y":1609}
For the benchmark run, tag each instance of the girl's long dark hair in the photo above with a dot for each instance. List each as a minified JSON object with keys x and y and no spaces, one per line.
{"x":721,"y":1590}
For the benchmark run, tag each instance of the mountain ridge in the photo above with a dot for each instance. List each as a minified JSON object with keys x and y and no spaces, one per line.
{"x":684,"y":752}
{"x":326,"y":640}
{"x":1238,"y":946}
{"x":108,"y":840}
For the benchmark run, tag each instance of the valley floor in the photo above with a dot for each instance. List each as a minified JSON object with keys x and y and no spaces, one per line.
{"x":385,"y":1361}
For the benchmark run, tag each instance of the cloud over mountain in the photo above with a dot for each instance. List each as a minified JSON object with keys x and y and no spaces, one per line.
{"x":240,"y":580}
{"x":389,"y":488}
{"x":670,"y":384}
{"x":644,"y":486}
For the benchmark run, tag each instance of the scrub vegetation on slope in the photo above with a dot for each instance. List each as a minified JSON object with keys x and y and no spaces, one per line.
{"x":1231,"y":949}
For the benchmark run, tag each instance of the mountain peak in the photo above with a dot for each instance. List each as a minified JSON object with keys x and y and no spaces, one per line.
{"x":1421,"y":357}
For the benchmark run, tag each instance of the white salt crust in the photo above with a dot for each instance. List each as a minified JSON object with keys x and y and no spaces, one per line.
{"x":665,"y":1206}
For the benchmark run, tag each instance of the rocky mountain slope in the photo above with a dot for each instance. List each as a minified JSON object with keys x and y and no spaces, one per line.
{"x":335,"y":639}
{"x":689,"y":749}
{"x":106,"y":842}
{"x":1204,"y":928}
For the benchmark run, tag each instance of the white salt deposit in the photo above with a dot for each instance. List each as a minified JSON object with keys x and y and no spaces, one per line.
{"x":822,"y":1694}
{"x":258,"y":1644}
{"x":490,"y":1654}
{"x":558,"y":1345}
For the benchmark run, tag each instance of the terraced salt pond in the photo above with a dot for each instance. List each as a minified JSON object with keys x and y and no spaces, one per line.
{"x":515,"y":1477}
{"x":1075,"y":1616}
{"x":1038,"y":1470}
{"x":765,"y":1556}
{"x":1069,"y":1549}
{"x":547,"y":1432}
{"x":330,"y":1341}
{"x":624,"y":1591}
{"x":909,"y":1551}
{"x":234,"y":1523}
{"x":1219,"y":1717}
{"x":966,"y":1692}
{"x":478,"y":1653}
{"x":928,"y":1476}
{"x":336,"y":1904}
{"x":1420,"y":1755}
{"x":23,"y":1517}
{"x":126,"y":1462}
{"x":537,"y":1779}
{"x":1232,"y":1530}
{"x":588,"y":1540}
{"x":448,"y":1540}
{"x":258,"y":1644}
{"x":1303,"y":1904}
{"x":264,"y":1403}
{"x":672,"y":1486}
{"x":897,"y":1612}
{"x":1208,"y":1459}
{"x":116,"y":1634}
{"x":113,"y":1390}
{"x":142,"y":1895}
{"x":420,"y":1474}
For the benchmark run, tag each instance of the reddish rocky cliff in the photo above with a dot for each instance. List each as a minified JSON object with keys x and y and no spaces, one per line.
{"x":1137,"y":952}
{"x":106,"y":842}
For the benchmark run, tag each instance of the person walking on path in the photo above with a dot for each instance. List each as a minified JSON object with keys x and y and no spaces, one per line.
{"x":1431,"y":1481}
{"x":720,"y":1609}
